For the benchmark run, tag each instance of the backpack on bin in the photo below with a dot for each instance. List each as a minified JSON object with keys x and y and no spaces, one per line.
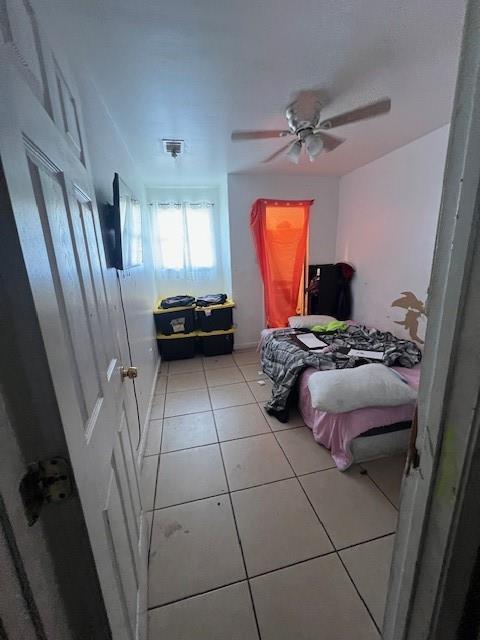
{"x":177,"y":301}
{"x":211,"y":298}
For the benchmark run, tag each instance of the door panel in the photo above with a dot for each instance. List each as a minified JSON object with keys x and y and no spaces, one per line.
{"x":128,"y":478}
{"x":89,"y":262}
{"x":69,"y":113}
{"x":20,"y":35}
{"x":51,"y":196}
{"x":120,"y":548}
{"x":84,"y":269}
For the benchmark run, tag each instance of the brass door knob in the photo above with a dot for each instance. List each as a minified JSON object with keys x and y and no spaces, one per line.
{"x":129,"y":372}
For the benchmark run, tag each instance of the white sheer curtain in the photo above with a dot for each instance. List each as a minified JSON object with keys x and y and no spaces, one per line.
{"x":184,"y":244}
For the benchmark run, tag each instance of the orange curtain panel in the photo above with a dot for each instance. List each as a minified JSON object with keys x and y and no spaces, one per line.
{"x":280,"y":232}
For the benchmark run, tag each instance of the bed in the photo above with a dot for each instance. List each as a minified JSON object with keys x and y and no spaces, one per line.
{"x":361,"y":434}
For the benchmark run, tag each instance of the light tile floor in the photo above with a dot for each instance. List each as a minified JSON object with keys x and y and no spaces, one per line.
{"x":255,"y":534}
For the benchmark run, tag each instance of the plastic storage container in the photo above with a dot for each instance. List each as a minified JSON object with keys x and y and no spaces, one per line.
{"x":217,"y":317}
{"x":178,"y":346}
{"x":216,"y":343}
{"x":175,"y":320}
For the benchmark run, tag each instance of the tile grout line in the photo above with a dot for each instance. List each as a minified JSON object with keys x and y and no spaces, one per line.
{"x":335,"y":550}
{"x":255,"y":486}
{"x":378,"y":486}
{"x":209,"y":444}
{"x":303,"y":489}
{"x":252,"y":435}
{"x":156,"y":482}
{"x":181,"y":504}
{"x":292,"y":564}
{"x":359,"y":544}
{"x":311,"y":473}
{"x":196,"y":594}
{"x":359,"y":594}
{"x":178,"y":415}
{"x":237,"y":531}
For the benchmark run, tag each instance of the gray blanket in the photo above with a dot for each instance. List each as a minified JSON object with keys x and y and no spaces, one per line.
{"x":283,"y":359}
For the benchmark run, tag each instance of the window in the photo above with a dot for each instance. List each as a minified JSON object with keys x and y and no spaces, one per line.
{"x":184,"y":240}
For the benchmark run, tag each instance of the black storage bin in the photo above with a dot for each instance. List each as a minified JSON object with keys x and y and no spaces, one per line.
{"x":216,"y":343}
{"x":178,"y":346}
{"x":175,"y":320}
{"x":217,"y":317}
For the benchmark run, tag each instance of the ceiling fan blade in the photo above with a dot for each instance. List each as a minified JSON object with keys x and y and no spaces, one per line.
{"x":277,"y":153}
{"x":361,"y":113}
{"x":259,"y":135}
{"x":329,"y":142}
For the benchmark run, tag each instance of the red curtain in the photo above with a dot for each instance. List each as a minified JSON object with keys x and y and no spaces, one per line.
{"x":280,"y":232}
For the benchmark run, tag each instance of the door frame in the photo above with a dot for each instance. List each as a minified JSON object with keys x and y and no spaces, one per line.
{"x":439,"y":520}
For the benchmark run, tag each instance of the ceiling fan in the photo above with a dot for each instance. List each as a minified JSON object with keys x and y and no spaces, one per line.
{"x":304,"y":122}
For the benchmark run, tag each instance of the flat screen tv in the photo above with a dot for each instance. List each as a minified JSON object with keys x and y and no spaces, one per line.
{"x":124,"y":228}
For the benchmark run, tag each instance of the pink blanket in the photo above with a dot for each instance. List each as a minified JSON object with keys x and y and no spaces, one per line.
{"x":336,"y":430}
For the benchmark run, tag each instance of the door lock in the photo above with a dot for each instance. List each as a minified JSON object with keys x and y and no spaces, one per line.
{"x":129,"y":372}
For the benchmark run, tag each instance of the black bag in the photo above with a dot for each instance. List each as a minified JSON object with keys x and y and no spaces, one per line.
{"x":177,"y":301}
{"x":211,"y":298}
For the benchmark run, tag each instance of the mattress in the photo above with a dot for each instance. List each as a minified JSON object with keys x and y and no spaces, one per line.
{"x":337,"y":431}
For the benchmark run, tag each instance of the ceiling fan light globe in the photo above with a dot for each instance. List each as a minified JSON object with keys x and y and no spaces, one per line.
{"x":314,"y":145}
{"x":293,"y":154}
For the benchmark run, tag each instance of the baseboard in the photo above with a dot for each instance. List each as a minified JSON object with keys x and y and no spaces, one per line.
{"x":143,"y":441}
{"x":246,"y":345}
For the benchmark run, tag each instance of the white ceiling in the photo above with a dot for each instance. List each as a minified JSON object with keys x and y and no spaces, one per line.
{"x":197,"y":69}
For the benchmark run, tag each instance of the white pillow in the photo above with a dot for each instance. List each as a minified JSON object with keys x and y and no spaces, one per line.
{"x":306,"y":322}
{"x":370,"y":385}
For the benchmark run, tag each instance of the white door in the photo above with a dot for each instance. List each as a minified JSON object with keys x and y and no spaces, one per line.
{"x":439,"y":522}
{"x":50,"y":191}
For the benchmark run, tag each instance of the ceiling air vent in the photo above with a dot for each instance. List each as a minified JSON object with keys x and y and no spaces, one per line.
{"x":173,"y":147}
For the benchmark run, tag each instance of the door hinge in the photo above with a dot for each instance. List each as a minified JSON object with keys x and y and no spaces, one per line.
{"x":413,"y":454}
{"x":45,"y":481}
{"x":129,"y":372}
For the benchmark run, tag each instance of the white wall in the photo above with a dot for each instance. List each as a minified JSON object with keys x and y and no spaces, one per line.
{"x":387,"y":222}
{"x":215,"y":194}
{"x":109,"y":154}
{"x":225,"y":236}
{"x":243,"y":190}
